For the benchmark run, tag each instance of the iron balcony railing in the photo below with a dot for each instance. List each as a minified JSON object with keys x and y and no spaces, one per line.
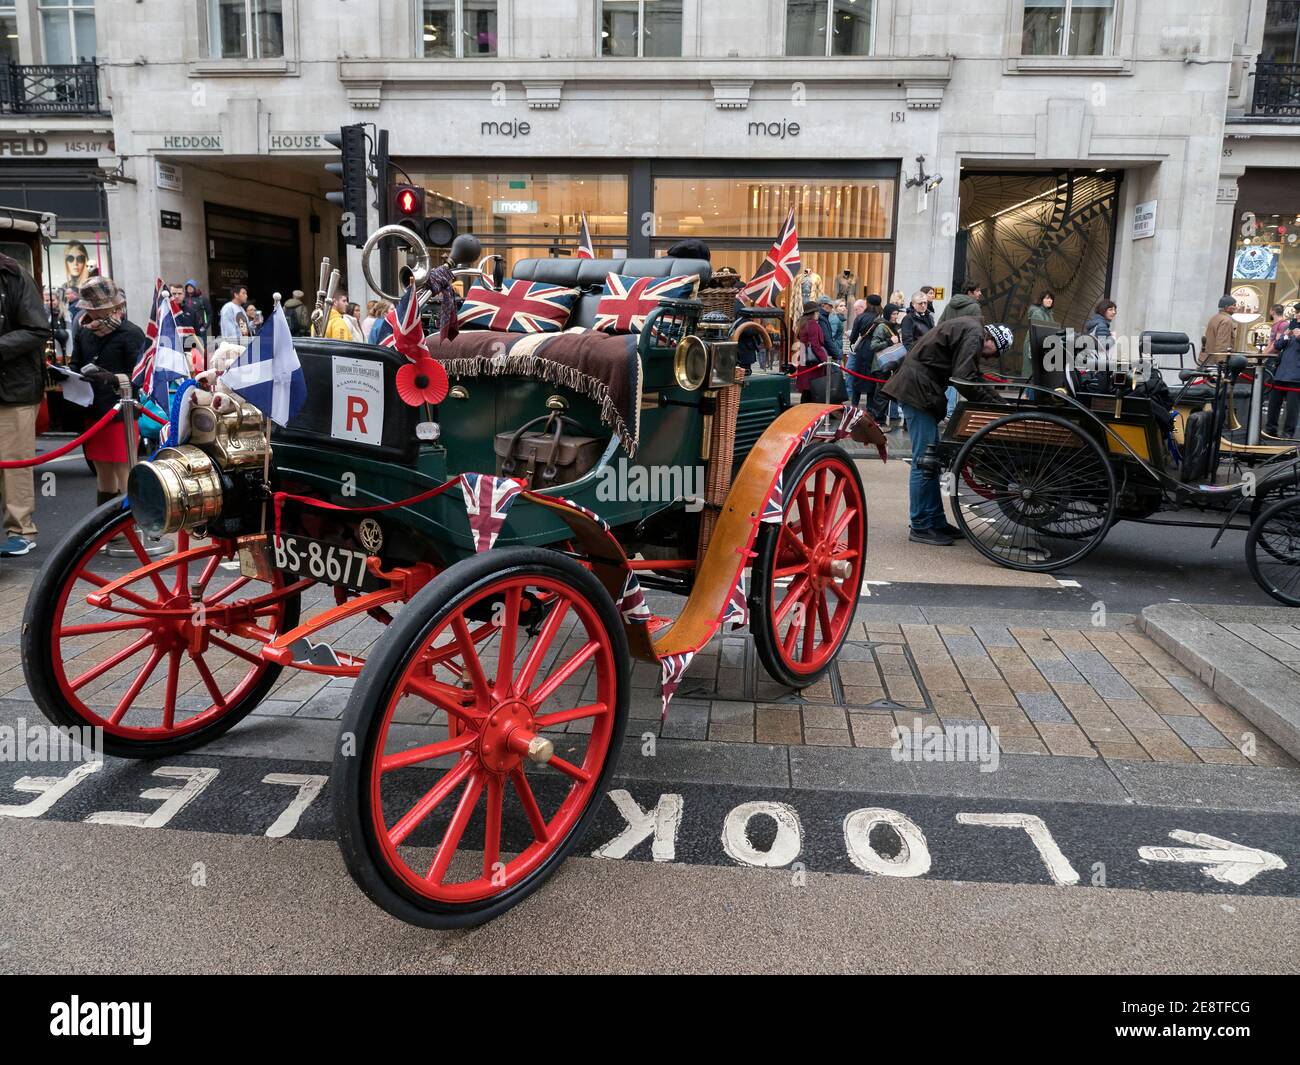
{"x":49,"y":89}
{"x":1277,"y":90}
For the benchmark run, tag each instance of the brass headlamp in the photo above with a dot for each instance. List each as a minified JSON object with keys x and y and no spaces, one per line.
{"x":184,"y":487}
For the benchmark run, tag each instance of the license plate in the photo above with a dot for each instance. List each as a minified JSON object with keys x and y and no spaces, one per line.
{"x":323,"y":561}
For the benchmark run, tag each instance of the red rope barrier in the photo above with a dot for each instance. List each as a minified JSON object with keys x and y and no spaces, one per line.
{"x":63,"y":449}
{"x":152,"y":416}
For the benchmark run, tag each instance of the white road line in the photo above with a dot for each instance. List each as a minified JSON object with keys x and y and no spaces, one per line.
{"x":1067,"y":583}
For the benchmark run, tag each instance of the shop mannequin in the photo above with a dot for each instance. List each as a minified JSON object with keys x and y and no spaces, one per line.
{"x":810,"y":285}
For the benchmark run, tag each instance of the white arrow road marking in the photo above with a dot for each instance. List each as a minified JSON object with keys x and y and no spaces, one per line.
{"x":1058,"y":866}
{"x":866,"y":588}
{"x":1227,"y":862}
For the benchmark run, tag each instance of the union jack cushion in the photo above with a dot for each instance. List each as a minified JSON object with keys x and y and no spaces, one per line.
{"x":520,"y":307}
{"x":625,"y":301}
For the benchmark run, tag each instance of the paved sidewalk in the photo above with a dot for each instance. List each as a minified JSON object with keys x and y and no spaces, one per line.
{"x":1068,"y":691}
{"x":1249,"y":658}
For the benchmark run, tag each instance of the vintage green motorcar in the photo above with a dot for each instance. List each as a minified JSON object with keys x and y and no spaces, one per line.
{"x":502,"y":573}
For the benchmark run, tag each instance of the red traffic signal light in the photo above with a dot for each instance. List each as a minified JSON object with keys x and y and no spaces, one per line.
{"x":408,"y":201}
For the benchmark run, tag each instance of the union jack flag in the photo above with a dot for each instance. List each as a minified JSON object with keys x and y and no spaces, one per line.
{"x":142,"y":374}
{"x":632,"y":604}
{"x":778,"y":267}
{"x":737,"y":609}
{"x":672,"y":669}
{"x":590,"y":513}
{"x":487,"y":501}
{"x":401,"y":327}
{"x":164,"y":359}
{"x":585,"y":248}
{"x":773,"y":509}
{"x":520,"y":307}
{"x":626,"y":301}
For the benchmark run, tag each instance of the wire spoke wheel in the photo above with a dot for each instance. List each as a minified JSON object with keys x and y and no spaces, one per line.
{"x":1033,"y":492}
{"x":172,"y":660}
{"x":809,"y":569}
{"x":1273,"y":550}
{"x":487,"y":723}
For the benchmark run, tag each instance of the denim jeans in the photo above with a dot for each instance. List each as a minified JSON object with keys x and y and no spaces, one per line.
{"x":951,"y":393}
{"x":925,"y":498}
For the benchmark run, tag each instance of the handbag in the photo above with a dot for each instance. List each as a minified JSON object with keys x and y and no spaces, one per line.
{"x":547,"y":457}
{"x":889,"y":358}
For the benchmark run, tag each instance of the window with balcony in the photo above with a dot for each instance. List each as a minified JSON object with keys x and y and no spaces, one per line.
{"x":641,"y":28}
{"x":8,"y":33}
{"x":1067,"y":27}
{"x":457,"y":29}
{"x":828,"y":27}
{"x":1277,"y":74}
{"x":246,"y":29}
{"x":68,"y":29}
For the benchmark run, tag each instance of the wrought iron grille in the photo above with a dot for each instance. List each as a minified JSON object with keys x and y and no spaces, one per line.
{"x":1277,"y":90}
{"x":49,"y":89}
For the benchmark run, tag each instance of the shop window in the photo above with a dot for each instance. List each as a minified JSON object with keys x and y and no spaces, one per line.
{"x":645,"y":28}
{"x":807,"y":21}
{"x":246,"y":29}
{"x":68,"y":29}
{"x":1067,"y":27}
{"x":458,"y":29}
{"x":530,"y":215}
{"x":8,"y":33}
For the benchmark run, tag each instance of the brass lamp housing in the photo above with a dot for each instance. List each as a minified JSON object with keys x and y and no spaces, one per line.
{"x":179,"y":489}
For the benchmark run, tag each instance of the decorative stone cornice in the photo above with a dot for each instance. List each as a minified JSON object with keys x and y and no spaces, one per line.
{"x":543,"y":95}
{"x":731,"y":94}
{"x":365,"y":95}
{"x":924,"y":96}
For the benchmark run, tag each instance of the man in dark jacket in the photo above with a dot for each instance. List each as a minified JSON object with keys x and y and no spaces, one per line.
{"x":951,"y":351}
{"x":965,"y":304}
{"x":198,"y":307}
{"x":24,"y":329}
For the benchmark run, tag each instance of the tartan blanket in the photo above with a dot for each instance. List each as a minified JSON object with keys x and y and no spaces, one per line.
{"x":604,"y":368}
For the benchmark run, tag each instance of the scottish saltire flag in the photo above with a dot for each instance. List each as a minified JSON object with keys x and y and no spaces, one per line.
{"x":268,"y":373}
{"x":672,"y":669}
{"x":778,"y":267}
{"x":400,"y":327}
{"x":487,"y":502}
{"x":141,"y":374}
{"x":585,"y":248}
{"x":170,"y":363}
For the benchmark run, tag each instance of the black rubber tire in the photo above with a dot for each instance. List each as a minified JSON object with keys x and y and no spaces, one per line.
{"x":364,"y":714}
{"x":1275,"y":519}
{"x":1103,"y":468}
{"x":37,"y":646}
{"x":760,"y":605}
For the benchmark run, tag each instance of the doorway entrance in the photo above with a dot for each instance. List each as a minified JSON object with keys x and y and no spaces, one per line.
{"x":253,"y":249}
{"x":1023,"y":233}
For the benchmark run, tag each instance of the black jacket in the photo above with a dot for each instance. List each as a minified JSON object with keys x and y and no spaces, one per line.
{"x":951,"y":349}
{"x":114,"y":354}
{"x":863,"y":324}
{"x":915,"y":326}
{"x":24,"y":329}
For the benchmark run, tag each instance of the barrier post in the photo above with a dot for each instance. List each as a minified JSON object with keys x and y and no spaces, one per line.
{"x":126,"y":406}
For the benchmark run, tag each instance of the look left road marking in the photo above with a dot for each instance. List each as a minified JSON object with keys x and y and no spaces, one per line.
{"x":1228,"y":862}
{"x":50,"y":790}
{"x":1058,"y":866}
{"x":173,"y":800}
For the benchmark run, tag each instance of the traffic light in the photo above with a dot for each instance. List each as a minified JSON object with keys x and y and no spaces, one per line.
{"x":408,"y":205}
{"x":351,"y":170}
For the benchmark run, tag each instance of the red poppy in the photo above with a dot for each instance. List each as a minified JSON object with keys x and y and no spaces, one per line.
{"x":422,"y":381}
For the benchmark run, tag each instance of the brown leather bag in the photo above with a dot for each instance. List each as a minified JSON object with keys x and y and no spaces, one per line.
{"x":547,"y":457}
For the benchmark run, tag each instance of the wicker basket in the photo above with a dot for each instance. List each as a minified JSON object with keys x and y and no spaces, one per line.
{"x":720,"y":293}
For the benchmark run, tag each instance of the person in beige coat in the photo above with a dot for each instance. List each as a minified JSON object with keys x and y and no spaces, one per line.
{"x":1220,"y":333}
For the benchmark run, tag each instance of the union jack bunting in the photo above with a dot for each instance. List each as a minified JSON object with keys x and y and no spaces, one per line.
{"x":167,"y":362}
{"x":850,"y":418}
{"x":632,"y":604}
{"x":520,"y":307}
{"x":590,"y":513}
{"x":401,"y":328}
{"x":487,"y":501}
{"x":626,"y":301}
{"x":778,"y":267}
{"x":585,"y":248}
{"x":737,"y":609}
{"x":142,"y":374}
{"x":672,"y":669}
{"x":773,"y":509}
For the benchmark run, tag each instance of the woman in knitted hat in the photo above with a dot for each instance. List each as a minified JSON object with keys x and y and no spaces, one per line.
{"x":106,"y":345}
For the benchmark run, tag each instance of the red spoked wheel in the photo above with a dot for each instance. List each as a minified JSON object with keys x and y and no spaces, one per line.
{"x":808,"y":571}
{"x":172,"y":660}
{"x":486,"y":727}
